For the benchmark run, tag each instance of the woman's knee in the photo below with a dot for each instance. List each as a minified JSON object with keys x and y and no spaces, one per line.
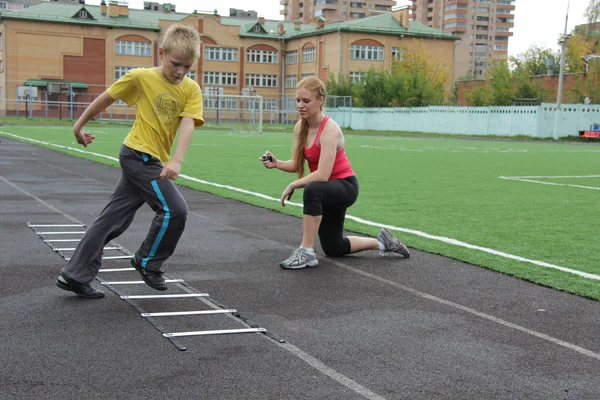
{"x":311,"y":191}
{"x":333,"y":249}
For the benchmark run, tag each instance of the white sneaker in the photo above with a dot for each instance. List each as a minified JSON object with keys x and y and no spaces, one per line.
{"x":300,"y":258}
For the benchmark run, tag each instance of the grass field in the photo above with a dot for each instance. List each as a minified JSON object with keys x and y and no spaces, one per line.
{"x":527,"y":209}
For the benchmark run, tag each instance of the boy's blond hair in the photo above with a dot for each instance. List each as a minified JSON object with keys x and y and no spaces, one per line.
{"x":184,"y":38}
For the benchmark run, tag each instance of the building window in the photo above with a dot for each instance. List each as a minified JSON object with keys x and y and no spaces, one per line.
{"x":192,"y":75}
{"x":1,"y":41}
{"x":220,"y":54}
{"x":83,"y":14}
{"x":357,"y":77}
{"x":261,"y":80}
{"x":3,"y":5}
{"x":257,"y":29}
{"x":304,"y":76}
{"x":291,"y":57}
{"x":396,"y":54}
{"x":261,"y":56}
{"x":143,"y":49}
{"x":291,"y":81}
{"x":120,"y":71}
{"x":359,"y":52}
{"x":308,"y":55}
{"x":220,"y":78}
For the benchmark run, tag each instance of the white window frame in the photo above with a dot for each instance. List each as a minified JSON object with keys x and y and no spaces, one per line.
{"x":371,"y":53}
{"x":212,"y":53}
{"x":291,"y":81}
{"x":308,"y":54}
{"x":220,"y":78}
{"x":261,"y":56}
{"x":127,"y":48}
{"x":291,"y":57}
{"x":357,"y":77}
{"x":261,"y":80}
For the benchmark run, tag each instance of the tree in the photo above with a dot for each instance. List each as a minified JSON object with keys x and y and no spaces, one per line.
{"x":479,"y":96}
{"x":579,"y":45}
{"x":373,"y":90}
{"x":341,"y":87}
{"x":592,"y":12}
{"x":419,"y":78}
{"x":502,"y":84}
{"x":533,"y":61}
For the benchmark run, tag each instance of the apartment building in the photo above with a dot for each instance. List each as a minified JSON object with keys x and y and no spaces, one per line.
{"x":85,"y":48}
{"x":483,"y":26}
{"x":333,"y":10}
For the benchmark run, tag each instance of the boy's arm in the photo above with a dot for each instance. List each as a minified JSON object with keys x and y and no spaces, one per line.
{"x":100,"y":103}
{"x":173,"y":167}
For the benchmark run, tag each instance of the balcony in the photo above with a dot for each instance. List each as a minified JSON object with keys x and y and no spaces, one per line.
{"x":283,"y":2}
{"x":283,"y":12}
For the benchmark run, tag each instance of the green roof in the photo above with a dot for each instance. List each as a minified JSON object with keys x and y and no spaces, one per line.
{"x":45,"y":82}
{"x":383,"y":24}
{"x":67,"y":14}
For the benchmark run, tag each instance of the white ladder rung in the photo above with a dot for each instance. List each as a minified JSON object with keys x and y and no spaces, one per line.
{"x":116,"y":257}
{"x":73,"y":248}
{"x":164,"y":296}
{"x":216,"y":332}
{"x":176,"y":313}
{"x":139,"y":282}
{"x":60,"y":233}
{"x":55,"y":226}
{"x":109,"y":258}
{"x":116,"y":269}
{"x":61,"y":240}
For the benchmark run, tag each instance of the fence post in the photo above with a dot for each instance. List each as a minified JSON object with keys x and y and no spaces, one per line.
{"x":30,"y":98}
{"x":71,"y":98}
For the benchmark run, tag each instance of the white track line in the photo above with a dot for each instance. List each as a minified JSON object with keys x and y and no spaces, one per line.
{"x":442,"y":239}
{"x":533,"y":179}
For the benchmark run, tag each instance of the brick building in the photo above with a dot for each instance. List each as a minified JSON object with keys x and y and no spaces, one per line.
{"x":86,"y":48}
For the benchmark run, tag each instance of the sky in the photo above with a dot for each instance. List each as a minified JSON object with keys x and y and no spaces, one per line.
{"x":537,"y":22}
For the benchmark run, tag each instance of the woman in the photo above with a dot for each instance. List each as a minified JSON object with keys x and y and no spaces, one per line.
{"x":330,"y":187}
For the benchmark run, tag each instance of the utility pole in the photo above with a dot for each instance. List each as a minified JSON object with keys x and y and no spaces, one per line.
{"x":561,"y":77}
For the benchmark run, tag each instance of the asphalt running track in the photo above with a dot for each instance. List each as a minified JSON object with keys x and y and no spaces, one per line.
{"x":357,"y":327}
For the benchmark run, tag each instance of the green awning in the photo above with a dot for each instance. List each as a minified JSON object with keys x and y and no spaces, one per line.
{"x":44,"y":83}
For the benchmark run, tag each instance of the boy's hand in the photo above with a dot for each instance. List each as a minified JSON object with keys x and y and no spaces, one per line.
{"x":83,"y":138}
{"x":171,"y":170}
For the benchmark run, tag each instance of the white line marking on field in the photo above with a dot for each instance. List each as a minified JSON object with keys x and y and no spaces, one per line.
{"x":357,"y":219}
{"x":534,"y":179}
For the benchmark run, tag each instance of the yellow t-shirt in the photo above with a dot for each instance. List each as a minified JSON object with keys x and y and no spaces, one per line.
{"x":159,"y":106}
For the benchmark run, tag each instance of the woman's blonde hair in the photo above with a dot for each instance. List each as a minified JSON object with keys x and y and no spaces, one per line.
{"x":184,"y":38}
{"x":317,"y":88}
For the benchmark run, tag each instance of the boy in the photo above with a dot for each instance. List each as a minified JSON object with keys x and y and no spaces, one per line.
{"x":166,"y":99}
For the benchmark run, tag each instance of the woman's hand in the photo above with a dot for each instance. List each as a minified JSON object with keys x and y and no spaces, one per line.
{"x":288,"y":192}
{"x":269,"y":160}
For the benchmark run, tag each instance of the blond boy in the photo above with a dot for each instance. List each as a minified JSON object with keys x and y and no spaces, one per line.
{"x":166,"y":100}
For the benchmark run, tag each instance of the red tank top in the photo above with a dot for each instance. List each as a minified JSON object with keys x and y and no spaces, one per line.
{"x":341,"y":167}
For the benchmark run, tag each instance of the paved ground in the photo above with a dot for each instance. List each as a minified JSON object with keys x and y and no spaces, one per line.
{"x":355,"y":327}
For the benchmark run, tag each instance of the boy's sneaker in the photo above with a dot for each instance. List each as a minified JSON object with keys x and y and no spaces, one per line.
{"x":392,"y":244}
{"x":300,"y":258}
{"x":80,"y":289}
{"x":154,"y":279}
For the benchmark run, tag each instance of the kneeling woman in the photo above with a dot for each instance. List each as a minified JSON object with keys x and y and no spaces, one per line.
{"x":329,"y":189}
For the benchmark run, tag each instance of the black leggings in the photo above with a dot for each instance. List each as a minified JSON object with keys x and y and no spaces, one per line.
{"x":330,"y":200}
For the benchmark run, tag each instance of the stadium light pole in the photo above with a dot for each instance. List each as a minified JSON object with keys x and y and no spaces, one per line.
{"x":561,"y":76}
